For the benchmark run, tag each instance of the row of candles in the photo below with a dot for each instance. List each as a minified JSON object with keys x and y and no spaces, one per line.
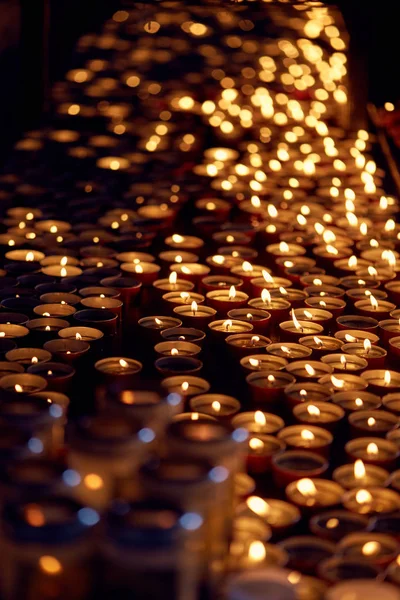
{"x":199,"y":322}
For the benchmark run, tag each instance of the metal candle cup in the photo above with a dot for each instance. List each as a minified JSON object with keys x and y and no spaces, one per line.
{"x":335,"y":306}
{"x":46,"y":328}
{"x":145,"y":272}
{"x":290,"y":333}
{"x":390,"y":401}
{"x":343,"y":382}
{"x":23,"y":383}
{"x":381,"y":381}
{"x":316,"y":315}
{"x":258,"y":422}
{"x":164,"y":286}
{"x":278,"y":308}
{"x":371,"y":307}
{"x":119,"y":370}
{"x":225,"y":300}
{"x":13,"y":332}
{"x":151,"y":327}
{"x":334,"y":525}
{"x":223,"y":328}
{"x":57,"y":311}
{"x":356,"y":400}
{"x":278,"y":514}
{"x":292,"y":465}
{"x":372,"y":423}
{"x":28,"y":356}
{"x":376,"y":548}
{"x":356,"y":336}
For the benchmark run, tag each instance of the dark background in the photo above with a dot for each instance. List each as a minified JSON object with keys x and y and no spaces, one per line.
{"x":37,"y":38}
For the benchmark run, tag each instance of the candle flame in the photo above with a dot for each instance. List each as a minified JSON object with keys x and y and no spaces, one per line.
{"x":373,"y":301}
{"x":350,"y":338}
{"x":186,"y":270}
{"x":18,"y":388}
{"x":318,"y":341}
{"x":338,"y":383}
{"x":174,"y":351}
{"x":254,"y":340}
{"x":358,"y":402}
{"x":271,"y":378}
{"x":371,"y":421}
{"x":2,"y":334}
{"x":317,"y":281}
{"x":123,"y":363}
{"x":310,"y":370}
{"x":47,"y":328}
{"x":372,"y":449}
{"x":259,"y":418}
{"x":272,"y":211}
{"x":258,"y":506}
{"x":285,"y":349}
{"x":63,"y":272}
{"x":371,"y":548}
{"x":387,"y":378}
{"x":352,"y":262}
{"x":296,"y":322}
{"x":184,"y":386}
{"x":232,"y":292}
{"x":363,"y":497}
{"x":257,"y":551}
{"x":247,"y":267}
{"x":46,"y":314}
{"x":138,"y":269}
{"x":306,"y":487}
{"x":219,"y":259}
{"x":227,"y":324}
{"x":177,"y":239}
{"x":194,"y":416}
{"x":216,"y":406}
{"x":256,"y":444}
{"x":307,"y":435}
{"x":266,"y":296}
{"x":283,"y":291}
{"x":158,"y":321}
{"x":78,"y":336}
{"x":343,"y":360}
{"x":173,"y":277}
{"x":267,"y":276}
{"x":185,"y":296}
{"x":313,"y":411}
{"x":194,"y":307}
{"x":308,"y":315}
{"x":359,"y":469}
{"x":30,"y":257}
{"x":303,"y":393}
{"x":63,"y":261}
{"x":249,"y":316}
{"x":284,"y":247}
{"x":367,"y":345}
{"x":178,"y":258}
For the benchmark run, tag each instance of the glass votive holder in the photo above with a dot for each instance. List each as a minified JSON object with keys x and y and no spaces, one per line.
{"x":377,"y":548}
{"x":373,"y":451}
{"x":372,"y":422}
{"x":262,"y":362}
{"x":169,"y":366}
{"x":182,"y":334}
{"x":371,"y":500}
{"x":358,"y":474}
{"x":28,"y":356}
{"x":220,"y":406}
{"x":298,"y":393}
{"x":322,"y":414}
{"x":25,"y":383}
{"x":307,"y":437}
{"x":186,"y":385}
{"x":267,"y":387}
{"x":67,"y":350}
{"x":312,"y":495}
{"x":334,"y":525}
{"x":58,"y":375}
{"x":306,"y":552}
{"x":292,"y":465}
{"x":244,"y":344}
{"x":177,"y":348}
{"x":338,"y":568}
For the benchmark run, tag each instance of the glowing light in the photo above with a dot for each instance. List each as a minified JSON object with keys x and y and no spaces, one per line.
{"x":313,"y":411}
{"x":306,"y":487}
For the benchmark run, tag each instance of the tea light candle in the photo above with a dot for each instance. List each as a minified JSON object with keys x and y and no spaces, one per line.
{"x":345,"y":362}
{"x":100,"y":291}
{"x":61,"y":271}
{"x":58,"y":311}
{"x":193,"y":272}
{"x":278,"y":514}
{"x":225,"y":300}
{"x":292,"y":465}
{"x":186,"y":385}
{"x":323,"y":414}
{"x":307,"y":370}
{"x":243,"y":344}
{"x":356,"y":400}
{"x":23,"y":383}
{"x":262,"y":362}
{"x":219,"y":406}
{"x":355,"y":336}
{"x":314,"y":493}
{"x":381,"y":381}
{"x":173,"y":284}
{"x":168,"y":257}
{"x":224,"y":328}
{"x":297,"y":393}
{"x":358,"y":322}
{"x":258,"y":422}
{"x":321,"y":345}
{"x":372,"y":500}
{"x":58,"y":375}
{"x":289,"y":351}
{"x":346,"y":382}
{"x":118,"y":368}
{"x":334,"y":525}
{"x":261,"y":449}
{"x":373,"y":450}
{"x":28,"y":356}
{"x":218,"y":282}
{"x":152,"y":326}
{"x":178,"y":365}
{"x":182,"y":334}
{"x":374,"y":356}
{"x":268,"y":282}
{"x":335,"y":306}
{"x":193,"y":314}
{"x":371,"y":307}
{"x":313,"y":314}
{"x":360,"y":475}
{"x":184,"y":242}
{"x":307,"y":552}
{"x":390,"y":401}
{"x":60,"y":298}
{"x":267,"y":387}
{"x":258,"y":318}
{"x":310,"y":437}
{"x":15,"y":332}
{"x":68,"y":351}
{"x":144,"y":272}
{"x":46,"y":328}
{"x":85,"y":334}
{"x":376,"y":548}
{"x":177,"y":349}
{"x":294,"y":330}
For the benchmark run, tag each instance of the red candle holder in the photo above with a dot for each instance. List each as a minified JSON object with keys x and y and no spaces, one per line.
{"x":278,"y":308}
{"x":58,"y":375}
{"x":322,"y":414}
{"x":377,"y":423}
{"x":169,"y":366}
{"x":223,"y":328}
{"x":374,"y":356}
{"x":312,"y":495}
{"x":353,"y":336}
{"x":258,"y":422}
{"x":293,"y":465}
{"x":382,"y":381}
{"x":195,"y":316}
{"x":372,"y":307}
{"x":260,"y":451}
{"x":220,"y":406}
{"x":260,"y":319}
{"x":298,"y":393}
{"x":244,"y":344}
{"x":304,"y":370}
{"x":374,"y":500}
{"x":335,"y":306}
{"x":193,"y":272}
{"x":267,"y":388}
{"x":316,"y":315}
{"x":279,"y":515}
{"x":341,"y":382}
{"x":262,"y":362}
{"x":356,"y":400}
{"x":373,"y":451}
{"x":289,"y":351}
{"x":220,"y":282}
{"x":225,"y":300}
{"x":292,"y":331}
{"x":183,"y":334}
{"x":321,"y":345}
{"x":315,"y":439}
{"x":348,"y":363}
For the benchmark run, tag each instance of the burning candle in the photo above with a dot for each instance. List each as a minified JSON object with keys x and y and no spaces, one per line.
{"x":244,"y":344}
{"x":345,"y":362}
{"x":334,"y":525}
{"x":193,"y":314}
{"x":268,"y":387}
{"x":307,"y":437}
{"x":356,"y":400}
{"x":262,"y":362}
{"x":314,"y":493}
{"x":372,"y":500}
{"x":323,"y":414}
{"x":308,"y":370}
{"x":381,"y":381}
{"x":219,"y":406}
{"x":298,"y":393}
{"x":321,"y":345}
{"x":225,"y":300}
{"x":373,"y":450}
{"x":372,"y":422}
{"x":358,"y":475}
{"x":294,"y":330}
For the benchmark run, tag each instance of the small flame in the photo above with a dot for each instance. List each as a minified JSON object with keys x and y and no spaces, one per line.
{"x":18,"y":388}
{"x":63,"y":272}
{"x":63,"y":261}
{"x":296,"y":322}
{"x":232,"y":292}
{"x":47,"y":328}
{"x":350,"y":338}
{"x":216,"y":406}
{"x":271,"y":378}
{"x":138,"y":269}
{"x":285,"y":349}
{"x":371,"y":548}
{"x":367,"y":345}
{"x":158,"y":321}
{"x":177,"y":239}
{"x":174,"y":351}
{"x":257,"y":551}
{"x":306,"y":487}
{"x":359,"y":469}
{"x":254,"y":340}
{"x":123,"y":363}
{"x":310,"y":370}
{"x":372,"y":449}
{"x":303,"y":393}
{"x":352,"y":262}
{"x":317,"y":281}
{"x":307,"y":435}
{"x":185,"y":296}
{"x":227,"y":324}
{"x":313,"y":411}
{"x":284,"y":247}
{"x":358,"y":402}
{"x":218,"y":259}
{"x":387,"y":378}
{"x":267,"y":276}
{"x":184,"y":386}
{"x":363,"y":497}
{"x":194,"y":307}
{"x":247,"y":267}
{"x":173,"y":278}
{"x":259,"y":418}
{"x":318,"y":341}
{"x":34,"y":360}
{"x":30,"y":257}
{"x":338,"y":383}
{"x":343,"y":360}
{"x":308,"y":315}
{"x":194,"y":416}
{"x":371,"y":421}
{"x":266,"y":296}
{"x":178,"y":258}
{"x":374,"y":302}
{"x":256,"y":444}
{"x":78,"y":336}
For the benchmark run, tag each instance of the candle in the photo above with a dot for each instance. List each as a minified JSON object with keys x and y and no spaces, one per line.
{"x":372,"y":422}
{"x":278,"y":308}
{"x":268,"y":386}
{"x":244,"y":344}
{"x":86,"y":334}
{"x":358,"y":475}
{"x":345,"y":362}
{"x":355,"y":336}
{"x":23,"y":383}
{"x":182,"y":334}
{"x":334,"y":525}
{"x":278,"y":514}
{"x":186,"y":385}
{"x":262,"y":362}
{"x":323,"y":414}
{"x":376,"y":548}
{"x":335,"y":569}
{"x":321,"y":344}
{"x":372,"y":307}
{"x":380,"y":380}
{"x":297,"y":393}
{"x":225,"y":300}
{"x":307,"y":552}
{"x":314,"y":493}
{"x":292,"y":465}
{"x":219,"y":406}
{"x":356,"y":400}
{"x":28,"y":356}
{"x":224,"y":328}
{"x":305,"y":370}
{"x":373,"y":450}
{"x":116,"y":367}
{"x":173,"y":284}
{"x":261,"y":449}
{"x":359,"y":322}
{"x":258,"y":318}
{"x":171,"y":365}
{"x":335,"y":306}
{"x":374,"y":356}
{"x":307,"y":437}
{"x":67,"y":350}
{"x":390,"y":401}
{"x":177,"y":348}
{"x":289,"y":351}
{"x":294,"y":329}
{"x":362,"y":590}
{"x":58,"y":375}
{"x":193,"y":314}
{"x":372,"y":500}
{"x":346,"y":382}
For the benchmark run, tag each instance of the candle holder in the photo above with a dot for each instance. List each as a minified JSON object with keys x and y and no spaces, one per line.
{"x":293,"y":465}
{"x":220,"y":282}
{"x":45,"y":329}
{"x":278,"y":514}
{"x":376,"y":548}
{"x":345,"y":362}
{"x":118,"y":370}
{"x":222,"y":329}
{"x":258,"y":422}
{"x":144,"y":272}
{"x":372,"y":422}
{"x":58,"y":375}
{"x":311,"y":495}
{"x":316,"y":315}
{"x":289,"y":351}
{"x":374,"y":356}
{"x":372,"y":307}
{"x":293,"y":295}
{"x":172,"y":300}
{"x":307,"y":552}
{"x":111,"y":304}
{"x":178,"y":365}
{"x":343,"y":382}
{"x":245,"y":344}
{"x":177,"y":349}
{"x":358,"y":322}
{"x":28,"y":356}
{"x":311,"y":438}
{"x":337,"y":569}
{"x":193,"y":272}
{"x":104,"y":320}
{"x":260,"y":452}
{"x":151,"y":327}
{"x":373,"y":451}
{"x":298,"y":393}
{"x":359,"y":475}
{"x":356,"y":400}
{"x":23,"y":383}
{"x":334,"y":525}
{"x":183,"y":334}
{"x":381,"y":381}
{"x":322,"y":414}
{"x":292,"y":331}
{"x":304,"y":370}
{"x":56,"y":311}
{"x":260,"y":319}
{"x":262,"y":362}
{"x":192,"y":314}
{"x":60,"y":298}
{"x":225,"y":300}
{"x":186,"y":385}
{"x":354,"y":336}
{"x":278,"y":308}
{"x":321,"y":345}
{"x":268,"y":387}
{"x":219,"y":406}
{"x":13,"y":332}
{"x":374,"y":500}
